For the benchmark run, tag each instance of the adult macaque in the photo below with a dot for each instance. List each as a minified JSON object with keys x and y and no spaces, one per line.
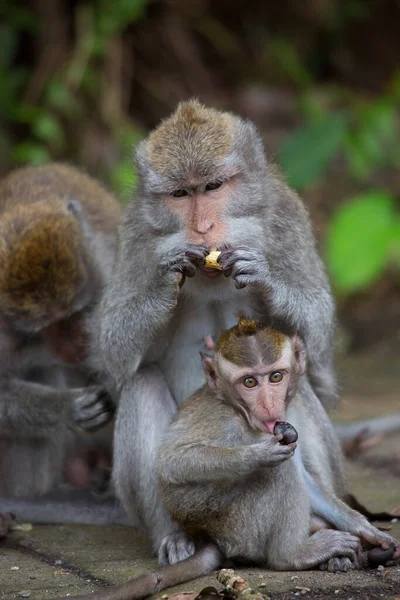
{"x":203,"y":183}
{"x":237,"y":489}
{"x":57,"y":246}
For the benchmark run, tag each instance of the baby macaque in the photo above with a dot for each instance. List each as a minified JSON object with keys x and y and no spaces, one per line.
{"x":240,"y":492}
{"x":225,"y":474}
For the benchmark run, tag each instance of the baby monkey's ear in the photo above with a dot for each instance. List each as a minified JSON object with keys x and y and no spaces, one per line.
{"x":208,"y":364}
{"x":299,"y":353}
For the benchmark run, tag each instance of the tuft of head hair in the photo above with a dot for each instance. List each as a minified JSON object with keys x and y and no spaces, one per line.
{"x":191,"y":141}
{"x":250,"y":341}
{"x":39,"y":258}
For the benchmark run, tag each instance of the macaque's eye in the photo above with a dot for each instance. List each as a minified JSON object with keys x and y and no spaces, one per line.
{"x":250,"y":382}
{"x":180,"y":193}
{"x":276,"y":377}
{"x":213,"y":185}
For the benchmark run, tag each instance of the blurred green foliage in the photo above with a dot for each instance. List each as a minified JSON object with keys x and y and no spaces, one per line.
{"x":363,"y":238}
{"x":339,"y":125}
{"x":61,"y":99}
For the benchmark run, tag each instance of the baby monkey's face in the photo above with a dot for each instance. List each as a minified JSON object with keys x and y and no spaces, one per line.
{"x":262,"y":390}
{"x":257,"y":369}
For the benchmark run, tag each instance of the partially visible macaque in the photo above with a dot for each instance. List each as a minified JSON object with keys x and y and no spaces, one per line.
{"x":237,"y":489}
{"x":58,"y":230}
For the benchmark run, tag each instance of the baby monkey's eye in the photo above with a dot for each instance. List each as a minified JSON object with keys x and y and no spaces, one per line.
{"x":213,"y":185}
{"x":276,"y":377}
{"x":250,"y":382}
{"x":179,"y":193}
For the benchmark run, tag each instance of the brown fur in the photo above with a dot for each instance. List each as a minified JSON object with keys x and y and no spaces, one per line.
{"x":40,"y":240}
{"x":193,"y":135}
{"x":32,"y":184}
{"x":233,"y":344}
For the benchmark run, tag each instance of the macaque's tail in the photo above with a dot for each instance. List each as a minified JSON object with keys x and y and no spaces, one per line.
{"x":203,"y":562}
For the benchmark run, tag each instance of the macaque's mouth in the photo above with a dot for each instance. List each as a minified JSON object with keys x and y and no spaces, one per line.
{"x":211,"y":273}
{"x":269,"y":425}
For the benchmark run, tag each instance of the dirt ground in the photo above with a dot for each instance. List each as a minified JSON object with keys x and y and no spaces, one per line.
{"x":61,"y":561}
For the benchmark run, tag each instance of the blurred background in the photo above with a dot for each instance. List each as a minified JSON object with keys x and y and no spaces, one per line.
{"x":83,"y":81}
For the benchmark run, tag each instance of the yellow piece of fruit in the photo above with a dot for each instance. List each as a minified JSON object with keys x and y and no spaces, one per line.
{"x":211,"y":260}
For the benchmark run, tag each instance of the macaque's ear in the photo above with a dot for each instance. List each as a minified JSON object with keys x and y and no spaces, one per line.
{"x":208,"y":364}
{"x":75,"y":208}
{"x":299,"y":353}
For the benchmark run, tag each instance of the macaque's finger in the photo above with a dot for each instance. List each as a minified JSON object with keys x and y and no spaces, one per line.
{"x":209,"y":342}
{"x":92,"y":423}
{"x":197,"y":253}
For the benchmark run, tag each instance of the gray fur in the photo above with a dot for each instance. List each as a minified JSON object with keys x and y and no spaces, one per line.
{"x":214,"y":483}
{"x":40,"y":412}
{"x":145,"y":319}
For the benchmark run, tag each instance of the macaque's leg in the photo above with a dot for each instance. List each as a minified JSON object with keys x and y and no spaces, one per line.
{"x":320,"y":548}
{"x":335,"y":511}
{"x":146,"y":408}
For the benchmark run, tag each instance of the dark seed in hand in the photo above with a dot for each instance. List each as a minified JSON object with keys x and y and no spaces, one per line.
{"x":379,"y":556}
{"x":287,"y":430}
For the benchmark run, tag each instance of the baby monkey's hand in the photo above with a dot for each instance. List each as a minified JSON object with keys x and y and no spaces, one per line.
{"x":273,"y":453}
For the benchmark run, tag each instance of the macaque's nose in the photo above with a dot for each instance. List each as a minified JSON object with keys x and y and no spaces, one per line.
{"x":203,"y":227}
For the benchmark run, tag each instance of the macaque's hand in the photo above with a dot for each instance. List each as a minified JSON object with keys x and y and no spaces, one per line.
{"x":92,"y":407}
{"x":184,"y":260}
{"x":246,"y":266}
{"x":370,"y":534}
{"x":272,"y":453}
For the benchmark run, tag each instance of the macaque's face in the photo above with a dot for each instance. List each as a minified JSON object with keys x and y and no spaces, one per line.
{"x":199,"y":178}
{"x":263,"y":389}
{"x":256,"y":372}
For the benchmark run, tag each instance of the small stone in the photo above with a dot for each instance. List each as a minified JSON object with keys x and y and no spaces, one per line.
{"x":395,"y":520}
{"x":302,"y":589}
{"x":58,"y":562}
{"x":22,"y":527}
{"x":14,"y":568}
{"x":380,"y":568}
{"x":294,"y":577}
{"x":24,"y":593}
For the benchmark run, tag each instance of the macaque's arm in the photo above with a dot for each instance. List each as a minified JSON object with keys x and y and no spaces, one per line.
{"x":205,"y":463}
{"x":30,"y":408}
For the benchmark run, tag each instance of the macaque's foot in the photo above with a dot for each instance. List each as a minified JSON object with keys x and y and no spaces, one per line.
{"x":372,"y":535}
{"x":5,"y":521}
{"x":174,"y":548}
{"x":338,"y":563}
{"x":93,"y":408}
{"x":332,"y":547}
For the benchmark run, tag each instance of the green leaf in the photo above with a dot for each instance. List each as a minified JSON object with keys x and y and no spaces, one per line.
{"x":123,"y":179}
{"x":48,"y":129}
{"x":358,"y":241}
{"x":307,"y":153}
{"x":31,"y":153}
{"x":394,"y":245}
